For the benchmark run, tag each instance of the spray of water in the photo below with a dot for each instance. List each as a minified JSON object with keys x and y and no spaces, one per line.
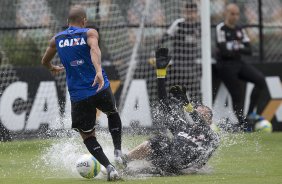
{"x":58,"y":159}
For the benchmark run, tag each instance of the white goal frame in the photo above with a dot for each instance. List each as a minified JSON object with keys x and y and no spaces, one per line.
{"x":206,"y":53}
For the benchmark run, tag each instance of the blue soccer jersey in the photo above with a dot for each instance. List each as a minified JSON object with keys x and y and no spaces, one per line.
{"x":74,"y":53}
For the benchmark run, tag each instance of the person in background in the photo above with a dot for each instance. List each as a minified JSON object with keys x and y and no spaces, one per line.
{"x":185,"y":35}
{"x":232,"y":42}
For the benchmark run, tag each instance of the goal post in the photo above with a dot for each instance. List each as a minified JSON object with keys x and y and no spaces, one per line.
{"x":206,"y":53}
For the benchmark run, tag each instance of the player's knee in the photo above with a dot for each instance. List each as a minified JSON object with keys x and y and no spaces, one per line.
{"x":86,"y":135}
{"x":111,"y":113}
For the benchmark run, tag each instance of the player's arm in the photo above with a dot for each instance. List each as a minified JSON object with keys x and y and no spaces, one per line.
{"x":170,"y":33}
{"x":165,"y":38}
{"x":162,"y":62}
{"x":245,"y":46}
{"x":179,"y":92}
{"x":95,"y":52}
{"x":49,"y":55}
{"x":226,"y":49}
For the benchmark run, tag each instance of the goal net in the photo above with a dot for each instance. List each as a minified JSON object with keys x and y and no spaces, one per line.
{"x":130,"y":31}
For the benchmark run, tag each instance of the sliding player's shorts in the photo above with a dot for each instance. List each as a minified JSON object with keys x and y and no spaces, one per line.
{"x":173,"y":155}
{"x":160,"y":156}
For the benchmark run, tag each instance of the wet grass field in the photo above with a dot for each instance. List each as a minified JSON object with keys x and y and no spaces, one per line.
{"x":241,"y":158}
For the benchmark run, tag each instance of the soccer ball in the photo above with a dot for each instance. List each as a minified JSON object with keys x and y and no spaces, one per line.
{"x":263,"y":126}
{"x":87,"y":166}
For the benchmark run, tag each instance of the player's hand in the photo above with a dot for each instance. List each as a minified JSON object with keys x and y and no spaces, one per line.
{"x":179,"y":92}
{"x":56,"y":69}
{"x":236,"y":45}
{"x":99,"y":79}
{"x":162,"y":58}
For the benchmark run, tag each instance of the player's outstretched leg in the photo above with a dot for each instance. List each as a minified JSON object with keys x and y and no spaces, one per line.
{"x":140,"y":152}
{"x":96,"y":150}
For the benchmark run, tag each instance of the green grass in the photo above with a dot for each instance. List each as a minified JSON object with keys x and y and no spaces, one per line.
{"x":248,"y":158}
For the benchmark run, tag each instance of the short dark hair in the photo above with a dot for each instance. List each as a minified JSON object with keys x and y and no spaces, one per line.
{"x":76,"y":14}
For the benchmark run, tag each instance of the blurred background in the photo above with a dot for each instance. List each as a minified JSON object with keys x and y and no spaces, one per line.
{"x":27,"y":25}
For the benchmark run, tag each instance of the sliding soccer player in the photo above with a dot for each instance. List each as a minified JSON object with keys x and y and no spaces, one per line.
{"x":193,"y":140}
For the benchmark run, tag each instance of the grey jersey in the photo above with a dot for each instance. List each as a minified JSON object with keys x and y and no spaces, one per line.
{"x":192,"y":142}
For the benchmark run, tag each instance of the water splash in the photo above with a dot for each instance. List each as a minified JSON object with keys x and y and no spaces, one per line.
{"x":61,"y":156}
{"x":59,"y":159}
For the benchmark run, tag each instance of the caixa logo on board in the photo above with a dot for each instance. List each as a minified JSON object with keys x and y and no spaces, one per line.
{"x":45,"y":108}
{"x":77,"y":62}
{"x":16,"y":116}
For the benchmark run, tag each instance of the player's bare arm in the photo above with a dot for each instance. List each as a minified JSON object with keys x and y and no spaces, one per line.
{"x":49,"y":55}
{"x":95,"y":52}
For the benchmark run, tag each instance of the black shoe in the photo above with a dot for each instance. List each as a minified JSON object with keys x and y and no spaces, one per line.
{"x":251,"y":120}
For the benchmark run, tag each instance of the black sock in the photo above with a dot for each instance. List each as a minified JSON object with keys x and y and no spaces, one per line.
{"x":115,"y":129}
{"x":96,"y":150}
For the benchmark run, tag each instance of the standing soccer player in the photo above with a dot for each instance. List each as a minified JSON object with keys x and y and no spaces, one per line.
{"x":232,"y":42}
{"x":87,"y":82}
{"x":185,"y":35}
